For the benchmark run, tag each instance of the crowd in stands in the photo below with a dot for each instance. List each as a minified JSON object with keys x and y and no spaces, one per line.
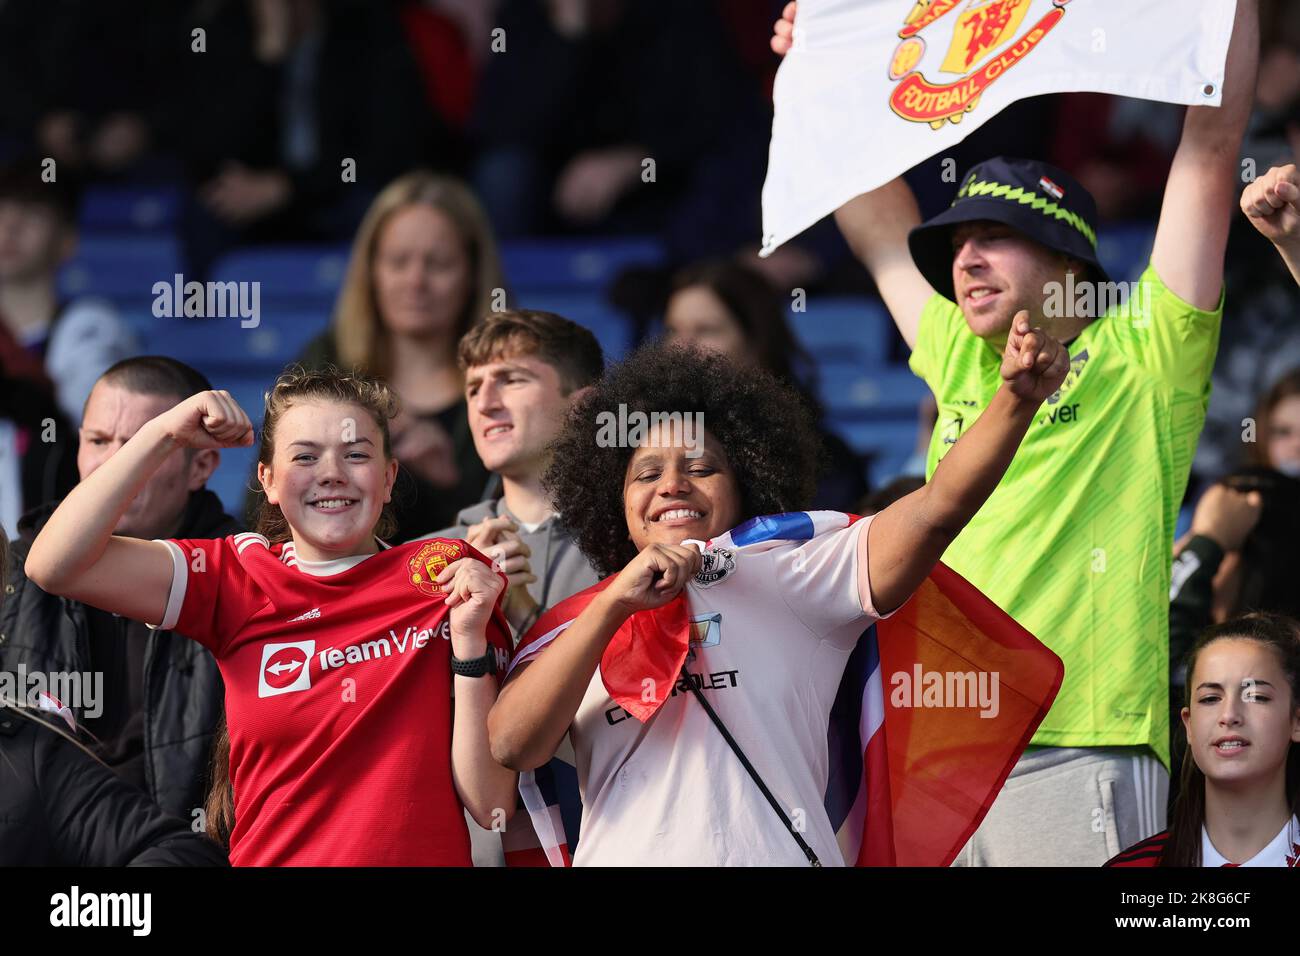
{"x":418,"y":188}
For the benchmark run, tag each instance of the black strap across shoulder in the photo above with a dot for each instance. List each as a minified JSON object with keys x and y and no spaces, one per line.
{"x":749,"y":767}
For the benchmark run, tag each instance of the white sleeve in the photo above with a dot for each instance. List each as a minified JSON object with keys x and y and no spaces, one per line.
{"x":819,"y":581}
{"x":175,"y":597}
{"x":87,"y":338}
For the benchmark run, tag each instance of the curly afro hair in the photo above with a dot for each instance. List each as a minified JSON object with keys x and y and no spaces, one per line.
{"x":765,"y":428}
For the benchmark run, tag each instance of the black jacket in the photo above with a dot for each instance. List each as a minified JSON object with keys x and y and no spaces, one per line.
{"x":183,"y":692}
{"x":61,"y":807}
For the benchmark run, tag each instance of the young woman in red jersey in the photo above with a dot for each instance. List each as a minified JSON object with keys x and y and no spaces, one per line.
{"x":347,"y":744}
{"x":1240,"y":798}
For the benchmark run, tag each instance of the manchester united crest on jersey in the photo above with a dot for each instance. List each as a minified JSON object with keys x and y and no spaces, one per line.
{"x":429,"y":562}
{"x":715,"y":564}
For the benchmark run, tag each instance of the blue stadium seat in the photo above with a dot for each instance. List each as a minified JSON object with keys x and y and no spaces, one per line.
{"x":121,"y":266}
{"x":873,"y":394}
{"x":129,"y":208}
{"x":1125,"y":248}
{"x":611,"y":327}
{"x":573,"y":264}
{"x":222,"y":346}
{"x":300,"y":274}
{"x":844,"y":330}
{"x":888,"y":445}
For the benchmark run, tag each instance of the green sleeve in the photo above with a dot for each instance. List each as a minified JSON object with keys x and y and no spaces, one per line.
{"x":934,"y":340}
{"x":1172,"y":339}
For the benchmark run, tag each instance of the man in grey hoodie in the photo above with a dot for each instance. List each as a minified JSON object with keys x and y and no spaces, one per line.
{"x":523,"y":371}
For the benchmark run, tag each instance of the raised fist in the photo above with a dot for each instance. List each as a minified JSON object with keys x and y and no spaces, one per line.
{"x":1034,"y":364}
{"x":208,"y":420}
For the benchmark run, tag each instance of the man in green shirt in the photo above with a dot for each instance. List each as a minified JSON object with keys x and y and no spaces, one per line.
{"x":1076,"y":541}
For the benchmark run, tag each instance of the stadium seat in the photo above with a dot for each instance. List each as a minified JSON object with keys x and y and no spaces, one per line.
{"x":121,"y":266}
{"x":1125,"y":249}
{"x":611,"y":327}
{"x":222,"y":346}
{"x":888,"y":445}
{"x":874,"y":394}
{"x":115,"y":209}
{"x":302,"y":275}
{"x":574,"y":264}
{"x":844,"y":330}
{"x":231,"y":480}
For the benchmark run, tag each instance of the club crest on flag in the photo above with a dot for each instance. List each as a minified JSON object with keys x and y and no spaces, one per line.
{"x":429,"y":562}
{"x":978,"y":32}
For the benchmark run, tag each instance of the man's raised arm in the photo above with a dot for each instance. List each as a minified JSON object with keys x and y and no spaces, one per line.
{"x":875,"y":225}
{"x":1202,"y":188}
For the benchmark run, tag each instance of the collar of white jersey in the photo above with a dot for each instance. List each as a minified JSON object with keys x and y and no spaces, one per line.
{"x":324,"y":569}
{"x":769,"y":531}
{"x":1283,"y":850}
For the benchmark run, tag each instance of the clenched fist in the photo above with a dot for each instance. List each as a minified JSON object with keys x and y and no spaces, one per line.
{"x":208,"y":420}
{"x":1272,"y":204}
{"x":783,"y":30}
{"x":1034,"y":364}
{"x":499,"y":539}
{"x":654,"y":577}
{"x":472,"y":590}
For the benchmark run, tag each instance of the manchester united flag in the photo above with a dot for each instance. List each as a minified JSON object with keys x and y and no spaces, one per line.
{"x":870,"y":88}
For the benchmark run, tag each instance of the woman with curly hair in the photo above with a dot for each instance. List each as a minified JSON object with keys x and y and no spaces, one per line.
{"x":773,"y":627}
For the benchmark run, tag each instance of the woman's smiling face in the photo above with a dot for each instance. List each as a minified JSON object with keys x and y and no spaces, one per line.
{"x":672,"y":492}
{"x":330,"y":478}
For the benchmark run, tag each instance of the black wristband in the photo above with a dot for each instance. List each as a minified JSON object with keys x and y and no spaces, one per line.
{"x":477,"y":667}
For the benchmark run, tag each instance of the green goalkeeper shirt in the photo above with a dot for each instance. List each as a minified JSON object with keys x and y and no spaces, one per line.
{"x":1076,"y":541}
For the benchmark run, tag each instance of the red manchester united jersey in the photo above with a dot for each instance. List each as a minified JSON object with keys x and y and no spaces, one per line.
{"x":338,"y":698}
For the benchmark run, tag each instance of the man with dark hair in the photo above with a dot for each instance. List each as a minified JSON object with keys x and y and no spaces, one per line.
{"x":162,"y":694}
